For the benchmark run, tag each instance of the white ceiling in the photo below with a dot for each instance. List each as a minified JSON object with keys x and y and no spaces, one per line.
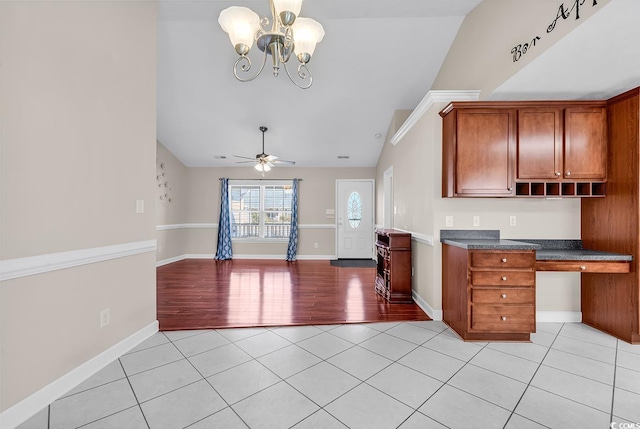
{"x":376,"y":57}
{"x":368,"y":65}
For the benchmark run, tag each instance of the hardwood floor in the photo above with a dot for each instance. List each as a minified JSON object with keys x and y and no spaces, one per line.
{"x":205,"y":294}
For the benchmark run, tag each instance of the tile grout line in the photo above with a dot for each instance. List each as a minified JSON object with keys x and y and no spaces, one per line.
{"x":134,"y":394}
{"x":530,"y":380}
{"x":446,"y":383}
{"x":613,"y":390}
{"x":209,"y":383}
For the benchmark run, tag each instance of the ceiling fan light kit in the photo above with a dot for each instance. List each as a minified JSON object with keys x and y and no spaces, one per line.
{"x":289,"y":34}
{"x":264,"y":162}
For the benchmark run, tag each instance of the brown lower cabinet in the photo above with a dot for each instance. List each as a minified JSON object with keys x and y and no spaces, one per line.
{"x":489,"y":295}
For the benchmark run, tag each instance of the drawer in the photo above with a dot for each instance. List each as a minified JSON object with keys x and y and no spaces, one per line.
{"x":503,"y":296}
{"x":503,"y":278}
{"x":503,"y":318}
{"x":488,"y":259}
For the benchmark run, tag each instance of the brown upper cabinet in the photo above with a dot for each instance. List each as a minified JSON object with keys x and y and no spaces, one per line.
{"x":556,"y":143}
{"x":479,"y":153}
{"x":538,"y":148}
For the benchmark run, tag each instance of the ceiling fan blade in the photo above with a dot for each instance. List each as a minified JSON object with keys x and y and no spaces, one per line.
{"x":270,"y":158}
{"x":244,"y":157}
{"x":284,"y":161}
{"x":246,"y":162}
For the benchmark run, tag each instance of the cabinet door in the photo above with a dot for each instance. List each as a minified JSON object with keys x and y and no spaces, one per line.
{"x":585,"y":143}
{"x":484,"y":152}
{"x":539,"y":144}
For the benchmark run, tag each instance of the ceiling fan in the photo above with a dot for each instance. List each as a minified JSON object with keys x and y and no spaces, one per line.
{"x":263,"y":161}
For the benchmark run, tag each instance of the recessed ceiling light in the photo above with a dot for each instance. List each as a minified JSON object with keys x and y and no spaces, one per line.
{"x":220,"y":156}
{"x":377,"y":135}
{"x":343,"y":156}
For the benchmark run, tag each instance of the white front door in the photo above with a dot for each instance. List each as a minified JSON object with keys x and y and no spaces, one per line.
{"x":354,"y":215}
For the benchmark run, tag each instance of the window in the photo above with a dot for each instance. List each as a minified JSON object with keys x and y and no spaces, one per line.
{"x":260,"y":210}
{"x":354,"y":209}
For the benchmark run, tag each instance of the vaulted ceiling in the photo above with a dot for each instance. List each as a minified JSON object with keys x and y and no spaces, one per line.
{"x":376,"y":57}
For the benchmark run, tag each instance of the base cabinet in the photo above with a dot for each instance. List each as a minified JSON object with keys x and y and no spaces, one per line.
{"x":489,"y":295}
{"x":393,"y":276}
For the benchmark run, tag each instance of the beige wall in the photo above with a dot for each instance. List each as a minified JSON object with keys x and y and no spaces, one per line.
{"x":199,"y":197}
{"x":78,"y":148}
{"x":480,"y":56}
{"x":479,"y":59}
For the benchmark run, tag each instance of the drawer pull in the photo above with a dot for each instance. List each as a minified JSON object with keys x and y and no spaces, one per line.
{"x":504,"y":295}
{"x":583,"y":267}
{"x":503,"y":318}
{"x":504,"y":278}
{"x":504,"y":259}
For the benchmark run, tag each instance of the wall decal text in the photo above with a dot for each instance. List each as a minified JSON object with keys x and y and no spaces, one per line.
{"x":563,"y":12}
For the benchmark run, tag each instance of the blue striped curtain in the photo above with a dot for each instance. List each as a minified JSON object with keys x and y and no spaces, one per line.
{"x":292,"y":249}
{"x":223,"y":250}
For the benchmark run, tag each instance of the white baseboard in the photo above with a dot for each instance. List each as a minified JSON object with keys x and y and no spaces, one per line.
{"x":263,"y":257}
{"x":424,"y":305}
{"x":30,"y":406}
{"x":169,"y":260}
{"x":559,"y":316}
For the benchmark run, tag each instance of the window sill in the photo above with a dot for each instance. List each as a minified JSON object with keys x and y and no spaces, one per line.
{"x":259,"y":240}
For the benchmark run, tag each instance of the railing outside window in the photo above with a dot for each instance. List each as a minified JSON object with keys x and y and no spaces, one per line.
{"x":260,"y":211}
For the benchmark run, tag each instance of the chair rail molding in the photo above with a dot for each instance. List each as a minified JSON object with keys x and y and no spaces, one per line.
{"x":434,"y":96}
{"x":30,"y":265}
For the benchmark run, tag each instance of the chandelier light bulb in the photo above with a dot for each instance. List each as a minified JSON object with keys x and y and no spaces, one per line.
{"x":241,"y":23}
{"x":287,"y":10}
{"x":307,"y":33}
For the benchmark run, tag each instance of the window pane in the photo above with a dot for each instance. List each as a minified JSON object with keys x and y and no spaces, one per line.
{"x":245,"y":205}
{"x":245,"y":211}
{"x":354,"y":209}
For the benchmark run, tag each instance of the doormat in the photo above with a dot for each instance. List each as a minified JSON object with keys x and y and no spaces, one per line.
{"x":353,"y":263}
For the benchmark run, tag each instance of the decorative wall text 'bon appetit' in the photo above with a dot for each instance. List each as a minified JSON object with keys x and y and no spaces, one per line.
{"x":563,"y":12}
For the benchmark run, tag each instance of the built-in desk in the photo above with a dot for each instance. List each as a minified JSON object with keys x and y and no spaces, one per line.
{"x":488,"y":284}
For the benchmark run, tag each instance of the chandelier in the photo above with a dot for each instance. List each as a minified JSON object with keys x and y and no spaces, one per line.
{"x":289,"y":34}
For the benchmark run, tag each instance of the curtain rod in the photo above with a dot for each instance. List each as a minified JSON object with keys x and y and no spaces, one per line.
{"x":267,"y":180}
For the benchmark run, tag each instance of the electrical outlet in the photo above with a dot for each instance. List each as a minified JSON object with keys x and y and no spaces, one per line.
{"x":139,"y":206}
{"x":315,"y":245}
{"x":412,"y":271}
{"x":476,"y":221}
{"x":512,"y":221}
{"x":448,"y":221}
{"x":105,"y":317}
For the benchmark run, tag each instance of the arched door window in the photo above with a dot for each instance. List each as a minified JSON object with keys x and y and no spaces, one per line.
{"x":354,"y":209}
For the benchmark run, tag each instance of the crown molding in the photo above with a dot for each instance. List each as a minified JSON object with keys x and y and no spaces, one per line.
{"x":434,"y":96}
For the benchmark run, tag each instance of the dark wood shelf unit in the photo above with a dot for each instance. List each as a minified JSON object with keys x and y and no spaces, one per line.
{"x":393,"y":270}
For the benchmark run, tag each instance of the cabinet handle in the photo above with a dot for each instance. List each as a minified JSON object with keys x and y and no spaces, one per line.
{"x":503,"y":318}
{"x":504,"y":295}
{"x":557,"y":173}
{"x":582,"y":267}
{"x":504,"y":278}
{"x":504,"y":259}
{"x":568,"y":173}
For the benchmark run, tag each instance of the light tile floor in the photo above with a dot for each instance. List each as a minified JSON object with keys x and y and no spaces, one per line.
{"x":382,"y":375}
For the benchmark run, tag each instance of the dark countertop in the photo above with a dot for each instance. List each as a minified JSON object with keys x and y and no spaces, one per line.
{"x":490,"y":244}
{"x":546,"y":250}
